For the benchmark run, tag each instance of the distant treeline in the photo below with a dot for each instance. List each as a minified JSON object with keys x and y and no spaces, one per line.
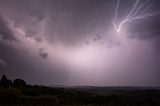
{"x":18,"y":93}
{"x":8,"y":83}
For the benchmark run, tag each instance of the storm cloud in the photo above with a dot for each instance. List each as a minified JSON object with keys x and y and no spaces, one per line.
{"x":73,"y":42}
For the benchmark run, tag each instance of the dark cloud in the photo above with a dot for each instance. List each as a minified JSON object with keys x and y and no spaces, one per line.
{"x":98,"y":37}
{"x":43,"y":53}
{"x":5,"y":31}
{"x":69,"y":21}
{"x":145,"y":29}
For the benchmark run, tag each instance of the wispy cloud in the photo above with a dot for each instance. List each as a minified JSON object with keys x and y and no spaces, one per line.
{"x":2,"y":62}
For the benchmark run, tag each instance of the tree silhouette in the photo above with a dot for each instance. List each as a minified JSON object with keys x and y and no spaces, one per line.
{"x":19,"y":83}
{"x":5,"y":82}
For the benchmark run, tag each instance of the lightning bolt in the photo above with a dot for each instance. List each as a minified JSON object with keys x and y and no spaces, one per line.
{"x":138,"y":11}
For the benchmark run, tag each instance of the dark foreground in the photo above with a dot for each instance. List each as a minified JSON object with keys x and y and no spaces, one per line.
{"x":18,"y":93}
{"x":85,"y":96}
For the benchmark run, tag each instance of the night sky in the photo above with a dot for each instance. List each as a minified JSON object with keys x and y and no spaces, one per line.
{"x":73,"y":42}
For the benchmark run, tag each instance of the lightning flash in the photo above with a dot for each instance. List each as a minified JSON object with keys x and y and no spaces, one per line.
{"x":140,"y":10}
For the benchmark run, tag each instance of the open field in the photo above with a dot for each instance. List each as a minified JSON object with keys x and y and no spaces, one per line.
{"x":79,"y":96}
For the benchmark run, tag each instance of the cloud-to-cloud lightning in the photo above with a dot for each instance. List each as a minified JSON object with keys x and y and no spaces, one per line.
{"x":139,"y":11}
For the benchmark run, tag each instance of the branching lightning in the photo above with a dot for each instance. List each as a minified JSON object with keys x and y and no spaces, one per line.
{"x":138,"y":11}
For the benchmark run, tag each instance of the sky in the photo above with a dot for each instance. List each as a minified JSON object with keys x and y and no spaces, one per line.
{"x":73,"y":42}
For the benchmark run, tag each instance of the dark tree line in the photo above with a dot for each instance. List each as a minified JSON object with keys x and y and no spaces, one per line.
{"x":5,"y":82}
{"x":18,"y":93}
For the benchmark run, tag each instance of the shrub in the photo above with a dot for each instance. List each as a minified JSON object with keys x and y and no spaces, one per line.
{"x":19,"y":83}
{"x":47,"y":100}
{"x":10,"y":93}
